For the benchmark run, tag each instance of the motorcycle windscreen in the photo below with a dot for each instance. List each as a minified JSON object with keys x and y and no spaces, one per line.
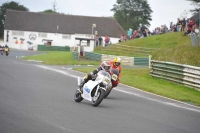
{"x":87,"y":89}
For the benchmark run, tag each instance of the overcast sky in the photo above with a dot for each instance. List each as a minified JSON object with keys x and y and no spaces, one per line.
{"x":164,"y":11}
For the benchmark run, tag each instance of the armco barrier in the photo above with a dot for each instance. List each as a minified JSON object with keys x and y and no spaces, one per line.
{"x":75,"y":55}
{"x":141,"y":61}
{"x":183,"y":74}
{"x":93,"y":56}
{"x":130,"y":61}
{"x":53,"y":48}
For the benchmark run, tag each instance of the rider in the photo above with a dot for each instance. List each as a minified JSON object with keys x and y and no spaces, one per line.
{"x":6,"y":46}
{"x":1,"y":48}
{"x":116,"y":65}
{"x":105,"y":65}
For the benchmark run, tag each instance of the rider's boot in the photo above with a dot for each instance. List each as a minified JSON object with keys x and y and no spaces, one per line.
{"x":80,"y":87}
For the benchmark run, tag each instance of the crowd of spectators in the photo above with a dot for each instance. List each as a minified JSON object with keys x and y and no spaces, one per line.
{"x":133,"y":34}
{"x":182,"y":25}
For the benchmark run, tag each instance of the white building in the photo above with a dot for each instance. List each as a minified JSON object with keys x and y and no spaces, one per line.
{"x":24,"y":30}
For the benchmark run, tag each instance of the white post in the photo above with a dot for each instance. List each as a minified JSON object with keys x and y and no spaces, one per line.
{"x":93,"y":26}
{"x":149,"y":61}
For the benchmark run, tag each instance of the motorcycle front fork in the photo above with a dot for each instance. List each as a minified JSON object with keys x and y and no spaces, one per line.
{"x":97,"y":90}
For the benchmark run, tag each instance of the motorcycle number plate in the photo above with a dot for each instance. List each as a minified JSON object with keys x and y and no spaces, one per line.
{"x":114,"y":77}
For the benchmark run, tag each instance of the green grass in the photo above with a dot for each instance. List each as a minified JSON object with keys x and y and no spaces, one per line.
{"x":60,"y":58}
{"x":140,"y":78}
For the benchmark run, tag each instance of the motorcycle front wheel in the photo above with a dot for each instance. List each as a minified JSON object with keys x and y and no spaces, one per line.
{"x":77,"y":96}
{"x":107,"y":93}
{"x":96,"y":100}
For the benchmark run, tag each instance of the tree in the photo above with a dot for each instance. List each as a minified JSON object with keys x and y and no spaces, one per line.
{"x":12,"y":6}
{"x":196,"y":4}
{"x":132,"y":13}
{"x":54,"y":6}
{"x":49,"y":11}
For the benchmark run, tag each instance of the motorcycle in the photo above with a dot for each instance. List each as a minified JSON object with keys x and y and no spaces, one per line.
{"x":94,"y":90}
{"x":114,"y":78}
{"x":6,"y":50}
{"x":1,"y":50}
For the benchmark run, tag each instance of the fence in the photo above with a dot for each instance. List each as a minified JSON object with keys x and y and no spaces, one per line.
{"x":53,"y":48}
{"x":75,"y":55}
{"x":183,"y":74}
{"x":130,"y":61}
{"x":130,"y":49}
{"x":93,"y":56}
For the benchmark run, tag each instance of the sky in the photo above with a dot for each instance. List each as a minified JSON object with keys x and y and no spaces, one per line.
{"x":164,"y":11}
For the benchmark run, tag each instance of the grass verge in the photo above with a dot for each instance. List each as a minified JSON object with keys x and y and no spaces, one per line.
{"x":60,"y":58}
{"x":141,"y":79}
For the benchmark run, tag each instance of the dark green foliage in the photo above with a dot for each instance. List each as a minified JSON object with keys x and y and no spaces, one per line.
{"x":132,"y":13}
{"x":196,"y":6}
{"x":11,"y":6}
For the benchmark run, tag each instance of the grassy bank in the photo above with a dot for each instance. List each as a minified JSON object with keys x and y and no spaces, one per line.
{"x":171,"y":47}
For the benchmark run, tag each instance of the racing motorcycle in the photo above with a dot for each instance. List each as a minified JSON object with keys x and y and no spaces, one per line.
{"x":94,"y":90}
{"x":6,"y":50}
{"x":114,"y":79}
{"x":1,"y":50}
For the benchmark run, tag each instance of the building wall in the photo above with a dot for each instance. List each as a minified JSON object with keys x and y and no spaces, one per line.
{"x":27,"y":39}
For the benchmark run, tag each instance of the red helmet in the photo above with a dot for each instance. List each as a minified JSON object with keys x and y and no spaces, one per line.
{"x":105,"y":65}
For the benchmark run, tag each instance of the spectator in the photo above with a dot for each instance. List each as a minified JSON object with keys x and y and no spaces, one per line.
{"x":136,"y":35}
{"x":124,"y":37}
{"x":100,"y":40}
{"x":171,"y":25}
{"x":107,"y":40}
{"x":178,"y":25}
{"x":121,"y":38}
{"x":183,"y":24}
{"x":165,"y":28}
{"x":130,"y":33}
{"x":144,"y":34}
{"x":190,"y":27}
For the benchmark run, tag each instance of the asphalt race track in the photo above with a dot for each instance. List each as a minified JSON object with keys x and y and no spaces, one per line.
{"x":36,"y":98}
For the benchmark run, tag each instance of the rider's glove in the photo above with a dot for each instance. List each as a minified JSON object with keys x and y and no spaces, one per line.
{"x":93,"y":76}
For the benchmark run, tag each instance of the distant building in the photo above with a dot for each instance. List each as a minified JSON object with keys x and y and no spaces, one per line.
{"x":24,"y":30}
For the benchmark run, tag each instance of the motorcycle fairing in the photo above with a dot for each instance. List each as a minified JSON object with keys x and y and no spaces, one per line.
{"x":87,"y":89}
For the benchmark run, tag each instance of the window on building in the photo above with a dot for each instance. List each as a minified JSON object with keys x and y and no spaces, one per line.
{"x":66,"y":36}
{"x":88,"y":43}
{"x":47,"y":43}
{"x":43,"y":35}
{"x":18,"y":33}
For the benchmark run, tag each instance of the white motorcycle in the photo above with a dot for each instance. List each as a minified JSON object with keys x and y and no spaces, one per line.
{"x":94,"y":90}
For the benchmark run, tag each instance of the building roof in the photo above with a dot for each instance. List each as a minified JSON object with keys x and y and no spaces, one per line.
{"x":59,"y":23}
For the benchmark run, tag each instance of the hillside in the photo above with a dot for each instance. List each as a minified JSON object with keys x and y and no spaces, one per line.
{"x":171,"y":47}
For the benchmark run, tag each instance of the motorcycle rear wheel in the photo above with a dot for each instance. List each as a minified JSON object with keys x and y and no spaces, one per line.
{"x":77,"y":96}
{"x":97,"y":100}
